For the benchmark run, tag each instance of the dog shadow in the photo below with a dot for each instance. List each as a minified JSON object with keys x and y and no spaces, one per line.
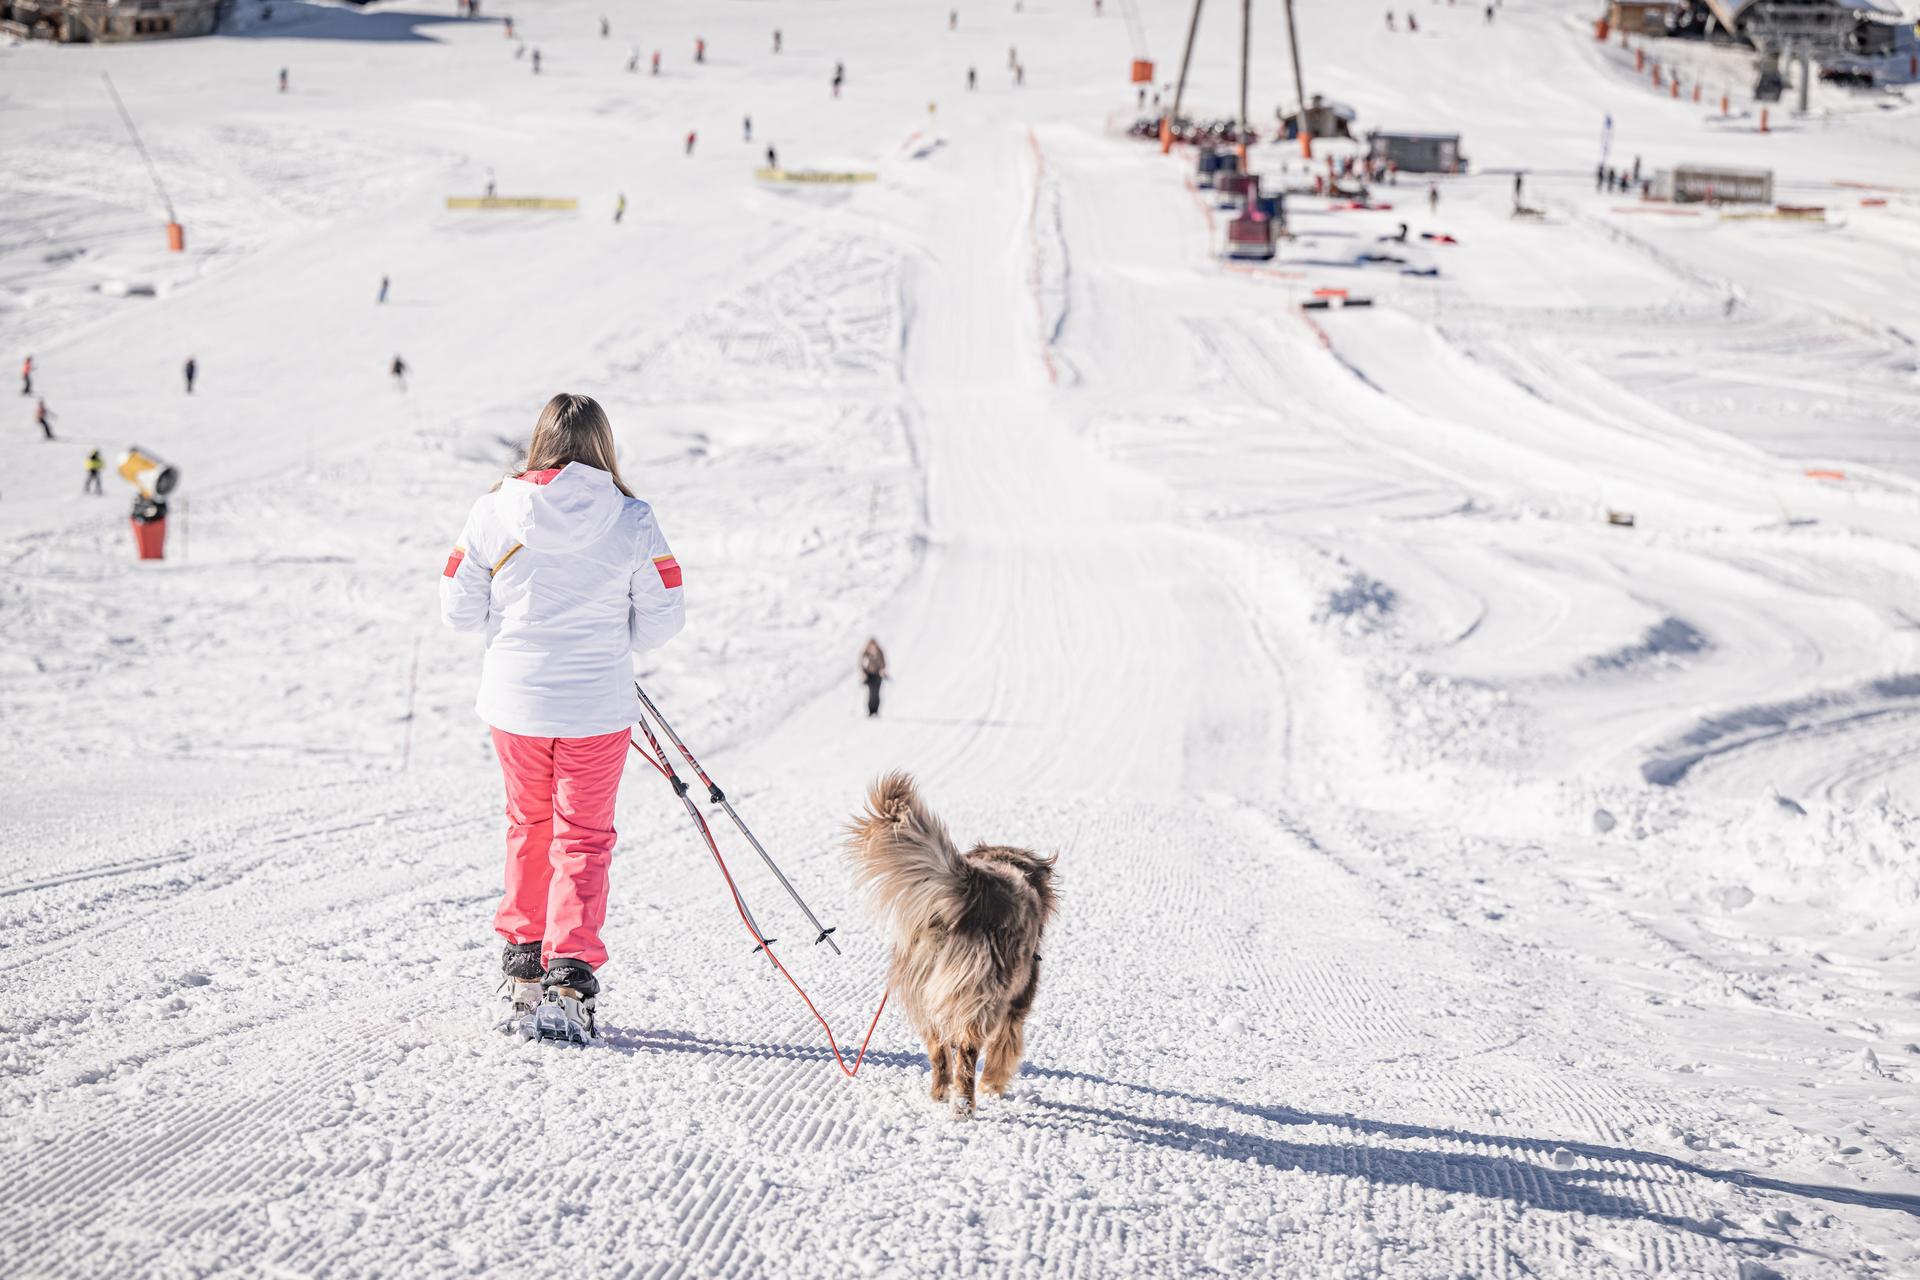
{"x":1510,"y":1167}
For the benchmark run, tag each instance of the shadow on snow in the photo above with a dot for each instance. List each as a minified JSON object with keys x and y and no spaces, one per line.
{"x":300,"y":20}
{"x":1593,"y":1189}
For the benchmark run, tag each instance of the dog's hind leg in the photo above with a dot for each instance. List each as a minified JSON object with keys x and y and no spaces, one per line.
{"x":966,"y":1060}
{"x":1009,"y":1043}
{"x":939,"y":1054}
{"x":1003,"y":1056}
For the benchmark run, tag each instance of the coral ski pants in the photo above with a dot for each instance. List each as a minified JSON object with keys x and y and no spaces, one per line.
{"x":560,"y":794}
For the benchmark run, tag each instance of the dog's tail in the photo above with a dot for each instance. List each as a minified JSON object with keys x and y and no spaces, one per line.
{"x":904,"y":858}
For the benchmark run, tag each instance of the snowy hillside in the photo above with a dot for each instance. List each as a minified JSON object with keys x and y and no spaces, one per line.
{"x":1455,"y":883}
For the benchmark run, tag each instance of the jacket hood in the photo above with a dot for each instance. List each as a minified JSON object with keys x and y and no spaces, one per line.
{"x":562,"y":509}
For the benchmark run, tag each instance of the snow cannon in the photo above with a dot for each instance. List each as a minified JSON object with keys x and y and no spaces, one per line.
{"x":152,"y":479}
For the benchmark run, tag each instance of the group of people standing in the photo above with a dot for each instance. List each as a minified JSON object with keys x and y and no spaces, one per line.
{"x":1607,"y":178}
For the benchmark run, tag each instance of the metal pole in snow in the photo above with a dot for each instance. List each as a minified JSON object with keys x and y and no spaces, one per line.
{"x":1169,"y":121}
{"x":1246,"y":37}
{"x":1299,"y":85}
{"x":413,"y":684}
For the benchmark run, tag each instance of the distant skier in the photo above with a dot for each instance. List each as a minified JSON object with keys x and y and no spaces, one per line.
{"x":1390,"y":25}
{"x":839,"y":77}
{"x":399,"y":371}
{"x":973,"y":80}
{"x":773,"y":159}
{"x":873,"y":669}
{"x":776,"y":39}
{"x":489,"y":184}
{"x":746,"y":128}
{"x":606,"y":28}
{"x":283,"y":79}
{"x":567,"y":576}
{"x":1599,"y":176}
{"x":191,"y":368}
{"x":1636,"y":172}
{"x":633,"y":59}
{"x":620,"y":209}
{"x":1489,"y":15}
{"x":699,"y":50}
{"x":656,"y":62}
{"x":26,"y":376}
{"x":43,"y":419}
{"x":1020,"y":74}
{"x":384,"y":282}
{"x":93,"y":464}
{"x":1518,"y":183}
{"x":1413,"y":23}
{"x":953,"y":19}
{"x":692,"y":137}
{"x":536,"y":62}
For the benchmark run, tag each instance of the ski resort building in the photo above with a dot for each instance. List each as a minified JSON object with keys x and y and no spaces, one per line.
{"x":1418,"y":152}
{"x":107,"y":21}
{"x":1859,"y":26}
{"x":1642,"y":17}
{"x":1324,"y":119}
{"x":1713,"y":184}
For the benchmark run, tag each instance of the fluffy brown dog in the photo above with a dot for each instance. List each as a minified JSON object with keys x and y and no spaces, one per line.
{"x":966,"y":935}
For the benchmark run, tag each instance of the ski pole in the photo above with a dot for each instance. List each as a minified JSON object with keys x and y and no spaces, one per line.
{"x":719,"y":797}
{"x":680,"y":789}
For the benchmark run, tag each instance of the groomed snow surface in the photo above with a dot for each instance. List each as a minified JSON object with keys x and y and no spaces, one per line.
{"x":1455,"y":884}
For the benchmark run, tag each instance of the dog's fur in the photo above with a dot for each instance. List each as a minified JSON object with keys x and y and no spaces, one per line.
{"x":966,"y":935}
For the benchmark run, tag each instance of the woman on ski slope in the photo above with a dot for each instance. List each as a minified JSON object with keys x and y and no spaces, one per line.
{"x":567,"y":575}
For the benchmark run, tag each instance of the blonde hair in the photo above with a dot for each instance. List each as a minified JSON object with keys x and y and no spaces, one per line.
{"x":573,"y":429}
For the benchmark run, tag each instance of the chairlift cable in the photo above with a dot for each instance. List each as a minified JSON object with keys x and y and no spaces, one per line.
{"x":1135,"y":31}
{"x":140,"y":146}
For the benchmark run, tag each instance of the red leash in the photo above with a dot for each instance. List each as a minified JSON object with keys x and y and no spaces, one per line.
{"x":761,"y":941}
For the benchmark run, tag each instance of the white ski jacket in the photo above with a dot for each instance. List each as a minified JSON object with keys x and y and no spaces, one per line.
{"x":567,"y":577}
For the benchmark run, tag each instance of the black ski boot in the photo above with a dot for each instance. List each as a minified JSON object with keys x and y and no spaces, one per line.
{"x":521,"y":972}
{"x":567,"y":1011}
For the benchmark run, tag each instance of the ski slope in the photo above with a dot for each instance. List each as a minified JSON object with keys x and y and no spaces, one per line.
{"x":1454,"y":884}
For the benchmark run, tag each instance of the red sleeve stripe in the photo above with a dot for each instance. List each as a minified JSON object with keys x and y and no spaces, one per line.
{"x":453,"y":562}
{"x":669,"y":570}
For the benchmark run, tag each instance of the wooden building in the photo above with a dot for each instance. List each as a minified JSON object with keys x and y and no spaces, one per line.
{"x":108,"y":21}
{"x":1642,"y":17}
